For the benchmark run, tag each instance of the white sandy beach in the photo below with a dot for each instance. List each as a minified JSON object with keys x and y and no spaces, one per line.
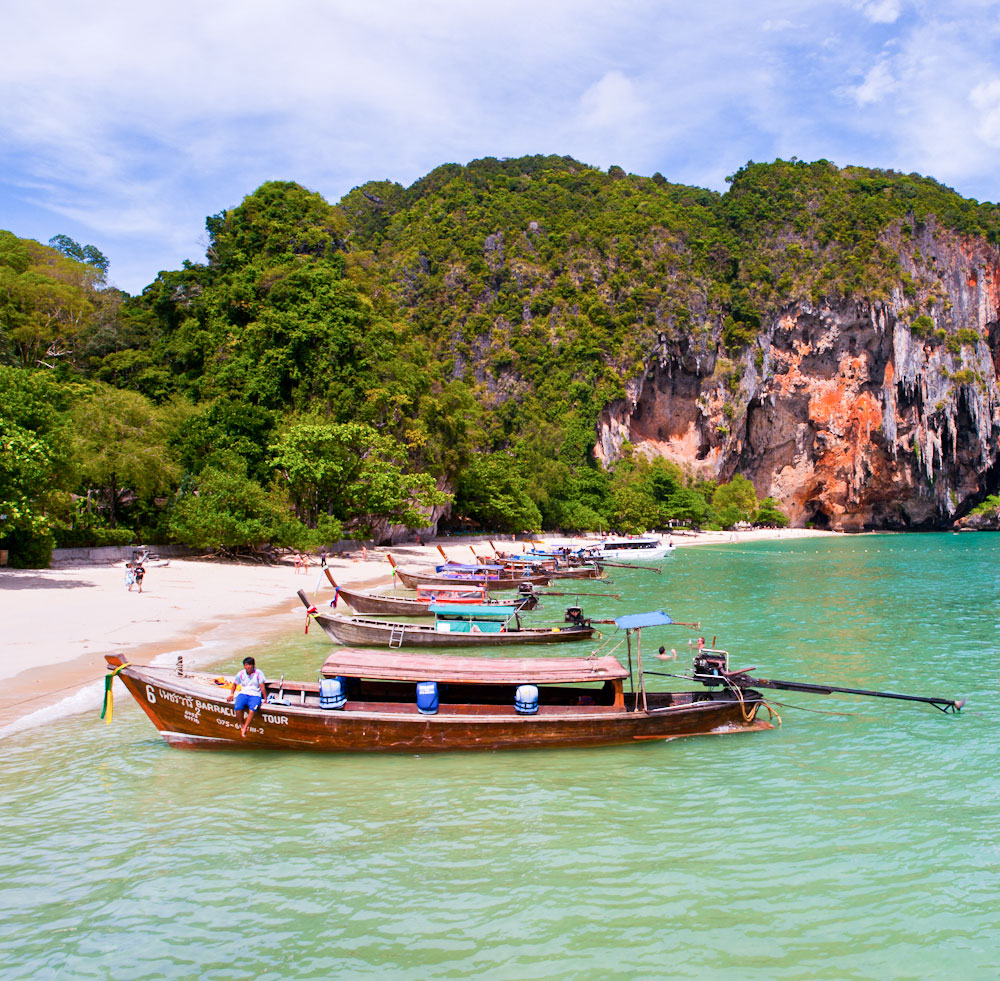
{"x":57,"y":624}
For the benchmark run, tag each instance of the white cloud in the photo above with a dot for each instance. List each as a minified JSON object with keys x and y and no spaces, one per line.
{"x":985,"y":99}
{"x":877,"y":85}
{"x":882,"y":11}
{"x":610,"y":103}
{"x":131,"y":122}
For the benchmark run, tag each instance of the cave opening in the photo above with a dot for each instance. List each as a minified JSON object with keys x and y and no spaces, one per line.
{"x":820,"y":519}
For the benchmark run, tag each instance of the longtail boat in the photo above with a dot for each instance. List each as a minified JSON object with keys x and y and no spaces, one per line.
{"x":462,"y":625}
{"x":381,"y":700}
{"x":386,"y":604}
{"x":493,"y":580}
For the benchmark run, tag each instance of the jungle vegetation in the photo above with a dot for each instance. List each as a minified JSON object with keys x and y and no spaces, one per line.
{"x":332,"y":370}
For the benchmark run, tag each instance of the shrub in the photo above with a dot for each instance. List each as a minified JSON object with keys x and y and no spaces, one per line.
{"x":29,"y":551}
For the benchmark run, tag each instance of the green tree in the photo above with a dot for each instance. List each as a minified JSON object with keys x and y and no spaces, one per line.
{"x":120,"y":442}
{"x":492,"y":491}
{"x":351,"y":472}
{"x":34,"y":468}
{"x":225,"y":510}
{"x":47,"y":303}
{"x":88,"y":254}
{"x":735,"y":501}
{"x":687,"y":505}
{"x":26,"y":467}
{"x":770,"y":513}
{"x":633,"y":509}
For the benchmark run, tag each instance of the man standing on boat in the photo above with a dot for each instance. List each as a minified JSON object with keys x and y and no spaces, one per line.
{"x":253,"y":689}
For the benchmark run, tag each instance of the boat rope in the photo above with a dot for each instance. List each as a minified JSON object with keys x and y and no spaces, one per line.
{"x":59,"y":691}
{"x":598,"y":651}
{"x":109,"y":698}
{"x":748,"y":715}
{"x":802,"y":708}
{"x":311,"y":611}
{"x":771,"y":714}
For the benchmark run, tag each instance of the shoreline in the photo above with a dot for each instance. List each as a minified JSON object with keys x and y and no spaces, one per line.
{"x":59,"y":623}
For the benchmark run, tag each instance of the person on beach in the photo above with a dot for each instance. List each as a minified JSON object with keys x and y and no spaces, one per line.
{"x":140,"y":574}
{"x":129,"y":576}
{"x":322,"y":558}
{"x":253,"y":690}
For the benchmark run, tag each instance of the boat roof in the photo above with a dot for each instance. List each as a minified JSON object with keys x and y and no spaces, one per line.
{"x":459,"y":590}
{"x":394,"y":666}
{"x":634,"y":621}
{"x":634,"y":540}
{"x":471,"y":610}
{"x":467,"y":567}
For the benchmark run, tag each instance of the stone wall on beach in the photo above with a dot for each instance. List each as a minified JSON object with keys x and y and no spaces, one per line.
{"x":852,"y":414}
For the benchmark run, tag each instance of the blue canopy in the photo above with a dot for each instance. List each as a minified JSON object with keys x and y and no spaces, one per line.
{"x":471,"y":610}
{"x":467,"y":567}
{"x":657,"y":618}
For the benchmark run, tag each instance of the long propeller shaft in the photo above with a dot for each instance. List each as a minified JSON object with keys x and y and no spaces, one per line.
{"x":944,"y":704}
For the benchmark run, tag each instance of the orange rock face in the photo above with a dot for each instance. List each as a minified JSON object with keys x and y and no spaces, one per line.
{"x":843,"y":414}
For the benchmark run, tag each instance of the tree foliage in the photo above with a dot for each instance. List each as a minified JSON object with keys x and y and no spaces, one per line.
{"x":33,"y":464}
{"x":120,"y":446}
{"x":472,"y":328}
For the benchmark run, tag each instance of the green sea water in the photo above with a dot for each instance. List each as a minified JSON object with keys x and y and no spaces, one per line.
{"x":858,"y":840}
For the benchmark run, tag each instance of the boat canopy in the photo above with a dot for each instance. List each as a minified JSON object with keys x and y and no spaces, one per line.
{"x":633,"y":621}
{"x":393,"y":666}
{"x":451,"y":592}
{"x":467,"y":567}
{"x":471,"y":610}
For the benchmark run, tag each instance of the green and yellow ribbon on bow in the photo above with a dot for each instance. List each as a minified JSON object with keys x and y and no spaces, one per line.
{"x":109,"y":699}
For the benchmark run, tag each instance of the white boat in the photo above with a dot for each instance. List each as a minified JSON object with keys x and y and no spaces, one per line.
{"x":632,"y":547}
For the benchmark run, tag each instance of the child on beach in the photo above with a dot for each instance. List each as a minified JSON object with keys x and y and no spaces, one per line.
{"x":140,"y":574}
{"x":129,"y":576}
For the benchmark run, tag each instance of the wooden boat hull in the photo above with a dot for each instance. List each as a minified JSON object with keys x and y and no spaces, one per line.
{"x":578,"y":572}
{"x":381,"y":604}
{"x":411,"y":578}
{"x":354,"y":631}
{"x":192,"y":713}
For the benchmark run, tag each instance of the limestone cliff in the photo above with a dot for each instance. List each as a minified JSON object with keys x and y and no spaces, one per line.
{"x":852,"y":413}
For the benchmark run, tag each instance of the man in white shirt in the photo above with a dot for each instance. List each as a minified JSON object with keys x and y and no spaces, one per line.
{"x":253,"y":690}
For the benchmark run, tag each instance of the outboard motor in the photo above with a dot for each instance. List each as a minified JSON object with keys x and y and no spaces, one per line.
{"x":527,"y":599}
{"x":710,"y":667}
{"x":574,"y":615}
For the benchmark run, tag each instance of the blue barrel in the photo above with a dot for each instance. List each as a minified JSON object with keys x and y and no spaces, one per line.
{"x":427,"y":697}
{"x":526,"y":699}
{"x":332,"y":693}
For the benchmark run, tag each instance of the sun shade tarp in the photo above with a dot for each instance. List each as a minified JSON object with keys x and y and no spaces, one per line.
{"x":471,"y":610}
{"x":657,"y":618}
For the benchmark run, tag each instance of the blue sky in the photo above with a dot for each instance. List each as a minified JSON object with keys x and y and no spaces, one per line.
{"x":125,"y":124}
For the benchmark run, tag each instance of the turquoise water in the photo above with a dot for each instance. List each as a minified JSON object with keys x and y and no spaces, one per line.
{"x":859,"y":840}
